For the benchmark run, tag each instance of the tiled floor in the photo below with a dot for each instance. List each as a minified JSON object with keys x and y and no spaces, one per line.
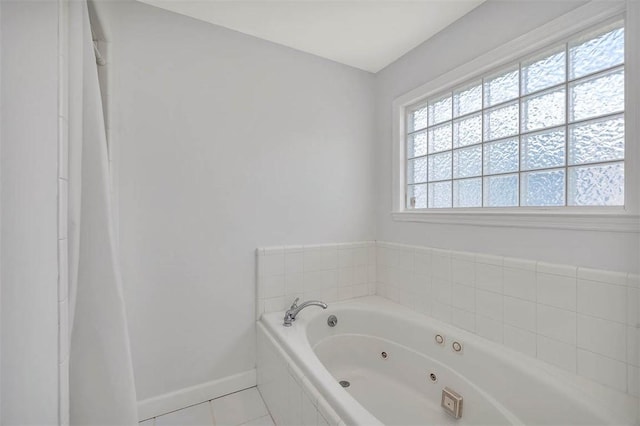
{"x":244,"y":408}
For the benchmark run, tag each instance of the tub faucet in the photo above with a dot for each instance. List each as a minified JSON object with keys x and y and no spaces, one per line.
{"x":295,"y":309}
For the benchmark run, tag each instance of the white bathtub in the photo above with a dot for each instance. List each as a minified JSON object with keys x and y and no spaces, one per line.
{"x":498,"y":386}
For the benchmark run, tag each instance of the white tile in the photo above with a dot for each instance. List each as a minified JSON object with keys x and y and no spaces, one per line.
{"x":633,"y":302}
{"x":293,"y":283}
{"x":360,"y":274}
{"x":294,"y":398}
{"x":345,"y":258}
{"x":463,"y":319}
{"x":522,"y":264}
{"x":557,"y":269}
{"x":346,"y":276}
{"x":559,"y":324}
{"x":633,"y":280}
{"x":262,"y":421}
{"x":489,"y":328}
{"x":463,"y":271}
{"x":633,"y":380}
{"x":420,"y":283}
{"x":489,"y":259}
{"x":602,"y":300}
{"x":320,"y":259}
{"x":405,"y":259}
{"x":609,"y":277}
{"x":556,"y":290}
{"x":271,"y":265}
{"x":272,"y":286}
{"x":316,"y":280}
{"x":520,"y":283}
{"x":441,"y":290}
{"x":520,"y":340}
{"x":520,"y":313}
{"x":238,"y":408}
{"x":489,"y":277}
{"x":441,"y":266}
{"x":464,"y":297}
{"x":441,"y":312}
{"x":464,"y":256}
{"x":603,"y":337}
{"x":557,"y":353}
{"x":197,"y":415}
{"x":276,"y":304}
{"x":422,"y":261}
{"x":293,"y":262}
{"x":633,"y":349}
{"x":603,"y":370}
{"x":360,"y":256}
{"x":489,"y":304}
{"x":148,"y":422}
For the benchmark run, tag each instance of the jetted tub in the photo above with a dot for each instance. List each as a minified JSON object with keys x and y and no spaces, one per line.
{"x":397,"y":371}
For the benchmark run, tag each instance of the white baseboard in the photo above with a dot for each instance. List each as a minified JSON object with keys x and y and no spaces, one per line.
{"x":176,"y":400}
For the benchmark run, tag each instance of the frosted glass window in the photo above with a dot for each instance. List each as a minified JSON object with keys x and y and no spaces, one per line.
{"x":440,"y":195}
{"x":440,"y":110}
{"x":547,"y":130}
{"x":543,"y":72}
{"x":467,"y":193}
{"x":417,"y":144}
{"x":545,"y":188}
{"x":467,"y":131}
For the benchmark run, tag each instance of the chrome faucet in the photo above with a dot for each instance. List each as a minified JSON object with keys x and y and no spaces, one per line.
{"x":294,"y":310}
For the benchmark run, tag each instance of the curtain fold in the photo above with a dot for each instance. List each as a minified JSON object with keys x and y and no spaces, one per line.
{"x":101,"y":383}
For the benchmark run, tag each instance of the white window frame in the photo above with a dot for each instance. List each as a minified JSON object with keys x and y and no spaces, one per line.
{"x":616,"y":219}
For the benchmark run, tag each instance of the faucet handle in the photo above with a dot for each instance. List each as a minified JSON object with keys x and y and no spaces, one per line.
{"x":295,"y":303}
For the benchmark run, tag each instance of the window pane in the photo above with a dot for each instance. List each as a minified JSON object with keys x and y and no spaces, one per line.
{"x":501,"y":191}
{"x":543,"y":110}
{"x":417,"y":170}
{"x":440,"y":110}
{"x":417,"y":144}
{"x":467,"y":162}
{"x":440,"y":194}
{"x":501,"y":122}
{"x":598,"y":95}
{"x":440,"y":166}
{"x":595,"y":53}
{"x":543,"y":72}
{"x":543,"y":188}
{"x":417,"y":119}
{"x":501,"y":87}
{"x":601,"y":185}
{"x":598,"y":140}
{"x":417,"y":196}
{"x":467,"y":131}
{"x":467,"y":193}
{"x":501,"y":157}
{"x":440,"y":138}
{"x":543,"y":149}
{"x":467,"y":100}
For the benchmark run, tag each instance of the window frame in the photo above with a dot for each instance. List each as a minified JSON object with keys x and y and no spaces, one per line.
{"x":598,"y":218}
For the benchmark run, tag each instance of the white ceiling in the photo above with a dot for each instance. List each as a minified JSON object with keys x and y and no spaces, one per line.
{"x":366,"y":34}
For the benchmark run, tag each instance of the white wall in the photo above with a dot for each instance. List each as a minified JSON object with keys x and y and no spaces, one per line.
{"x":225,"y":143}
{"x":28,"y":226}
{"x":486,"y":27}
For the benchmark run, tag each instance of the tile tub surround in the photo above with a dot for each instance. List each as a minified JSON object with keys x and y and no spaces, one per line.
{"x":583,"y":320}
{"x":327,"y":272}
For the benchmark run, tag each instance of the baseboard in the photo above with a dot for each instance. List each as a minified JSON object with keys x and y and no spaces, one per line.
{"x":176,"y":400}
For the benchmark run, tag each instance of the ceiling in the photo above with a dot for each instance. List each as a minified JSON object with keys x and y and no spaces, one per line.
{"x":366,"y":34}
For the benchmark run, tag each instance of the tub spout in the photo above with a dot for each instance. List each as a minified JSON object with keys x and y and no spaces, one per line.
{"x":295,"y":309}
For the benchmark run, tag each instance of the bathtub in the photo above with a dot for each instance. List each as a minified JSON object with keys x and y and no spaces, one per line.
{"x":397,"y":371}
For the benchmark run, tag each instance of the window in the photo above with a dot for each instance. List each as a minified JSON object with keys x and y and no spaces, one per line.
{"x":545,"y":131}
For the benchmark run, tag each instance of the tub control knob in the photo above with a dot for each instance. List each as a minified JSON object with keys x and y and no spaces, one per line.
{"x":456,"y":346}
{"x":439,"y":339}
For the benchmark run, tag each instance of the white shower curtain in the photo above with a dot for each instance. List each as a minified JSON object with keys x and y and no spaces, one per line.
{"x":101,"y":385}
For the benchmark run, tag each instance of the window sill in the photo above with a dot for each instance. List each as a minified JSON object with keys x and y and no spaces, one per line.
{"x":583,"y":221}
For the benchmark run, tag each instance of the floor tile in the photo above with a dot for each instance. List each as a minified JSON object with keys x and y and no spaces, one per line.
{"x":238,"y":408}
{"x":197,"y":415}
